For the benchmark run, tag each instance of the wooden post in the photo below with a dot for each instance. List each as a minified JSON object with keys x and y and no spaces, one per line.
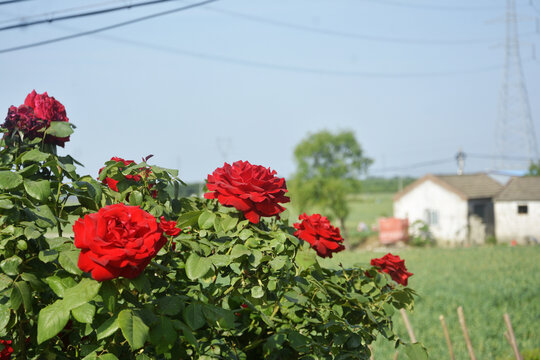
{"x":371,"y":352}
{"x":396,"y":355}
{"x":512,"y":337}
{"x":447,"y":337}
{"x":461,"y":317}
{"x":408,"y":326}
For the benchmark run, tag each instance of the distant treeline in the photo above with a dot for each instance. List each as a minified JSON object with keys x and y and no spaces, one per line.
{"x":369,"y":185}
{"x":385,"y":185}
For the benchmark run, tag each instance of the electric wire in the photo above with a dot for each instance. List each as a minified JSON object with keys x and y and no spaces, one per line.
{"x":342,"y":34}
{"x":59,"y":11}
{"x":85,"y":14}
{"x":114,"y":26}
{"x":6,"y":2}
{"x":433,"y":7}
{"x":414,"y":165}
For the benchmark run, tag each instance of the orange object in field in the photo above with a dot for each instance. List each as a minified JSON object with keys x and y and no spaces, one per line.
{"x":393,"y":230}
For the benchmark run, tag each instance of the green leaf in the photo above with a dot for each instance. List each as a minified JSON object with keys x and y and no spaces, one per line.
{"x":6,"y":204}
{"x":5,"y":315}
{"x":206,"y":220}
{"x":163,"y":335}
{"x":34,"y":155}
{"x":188,"y":219}
{"x":278,"y":262}
{"x":170,"y":305}
{"x":26,"y":295}
{"x":228,"y":223}
{"x":197,"y":267}
{"x":306,"y":259}
{"x":239,"y":250}
{"x":257,"y":292}
{"x":133,"y":328}
{"x":59,"y":129}
{"x":108,"y":328}
{"x":47,"y":255}
{"x":107,"y":357}
{"x":39,"y":190}
{"x":30,"y":232}
{"x":84,"y":313}
{"x":9,"y":180}
{"x":135,"y":198}
{"x":11,"y":265}
{"x":5,"y":281}
{"x":68,"y":260}
{"x":81,"y":293}
{"x":193,"y":316}
{"x":52,"y":319}
{"x":59,"y":285}
{"x":416,"y":351}
{"x":214,"y":314}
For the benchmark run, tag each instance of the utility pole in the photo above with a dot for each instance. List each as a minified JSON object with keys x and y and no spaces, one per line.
{"x":460,"y":158}
{"x":515,"y":134}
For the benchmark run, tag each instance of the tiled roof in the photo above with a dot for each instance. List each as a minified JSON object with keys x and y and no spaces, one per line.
{"x":521,"y":188}
{"x":469,"y":186}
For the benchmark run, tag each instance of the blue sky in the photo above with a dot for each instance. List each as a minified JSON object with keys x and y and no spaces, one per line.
{"x":204,"y":86}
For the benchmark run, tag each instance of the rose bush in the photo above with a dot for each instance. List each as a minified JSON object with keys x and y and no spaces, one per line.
{"x":118,"y":240}
{"x":224,"y":287}
{"x":394,"y":266}
{"x":252,"y":189}
{"x":320,"y":234}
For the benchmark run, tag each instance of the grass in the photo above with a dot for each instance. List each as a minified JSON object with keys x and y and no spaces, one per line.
{"x":486,"y":281}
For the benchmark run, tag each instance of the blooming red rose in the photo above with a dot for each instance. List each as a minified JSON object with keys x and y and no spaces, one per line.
{"x":38,"y":111}
{"x":169,"y":227}
{"x":322,"y":236}
{"x":118,"y":240}
{"x":393,"y":265}
{"x":252,"y":189}
{"x":6,"y":352}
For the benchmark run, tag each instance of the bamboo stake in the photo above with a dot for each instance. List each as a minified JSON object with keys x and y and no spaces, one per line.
{"x":461,"y":317}
{"x":396,"y":355}
{"x":512,"y":337}
{"x":408,"y":326}
{"x":447,"y":337}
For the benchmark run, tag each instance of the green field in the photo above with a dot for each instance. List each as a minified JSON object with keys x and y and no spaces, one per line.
{"x":486,"y":281}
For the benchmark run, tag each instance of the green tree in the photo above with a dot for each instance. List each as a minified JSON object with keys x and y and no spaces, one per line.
{"x":329,"y":167}
{"x":534,"y":169}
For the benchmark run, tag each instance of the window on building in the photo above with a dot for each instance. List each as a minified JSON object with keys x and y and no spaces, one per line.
{"x":431,"y":216}
{"x":523,"y":209}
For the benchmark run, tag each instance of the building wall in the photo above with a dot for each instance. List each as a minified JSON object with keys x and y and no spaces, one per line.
{"x":509,"y":225}
{"x":451,"y":211}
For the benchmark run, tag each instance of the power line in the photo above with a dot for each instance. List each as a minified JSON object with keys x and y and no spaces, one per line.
{"x":343,"y":34}
{"x":415,"y":165}
{"x":6,"y":2}
{"x":114,"y":26}
{"x":499,"y":157}
{"x":432,"y":7}
{"x":60,"y":11}
{"x":85,"y":14}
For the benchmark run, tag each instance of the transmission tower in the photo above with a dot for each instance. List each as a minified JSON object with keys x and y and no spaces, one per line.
{"x":515,"y":135}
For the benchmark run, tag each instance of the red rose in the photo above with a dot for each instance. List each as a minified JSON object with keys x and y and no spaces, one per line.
{"x":252,"y":189}
{"x":37,"y":113}
{"x":322,"y":236}
{"x":393,"y":265}
{"x":6,"y":352}
{"x":118,"y":240}
{"x":169,"y":227}
{"x":112,"y":183}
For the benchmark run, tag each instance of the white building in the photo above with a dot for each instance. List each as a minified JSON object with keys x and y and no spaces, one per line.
{"x":457,"y":208}
{"x":517,"y":211}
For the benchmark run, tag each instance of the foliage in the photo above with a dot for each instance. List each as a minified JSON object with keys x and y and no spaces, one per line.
{"x":420,"y":234}
{"x":220,"y":288}
{"x":534,"y":169}
{"x":328,"y":170}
